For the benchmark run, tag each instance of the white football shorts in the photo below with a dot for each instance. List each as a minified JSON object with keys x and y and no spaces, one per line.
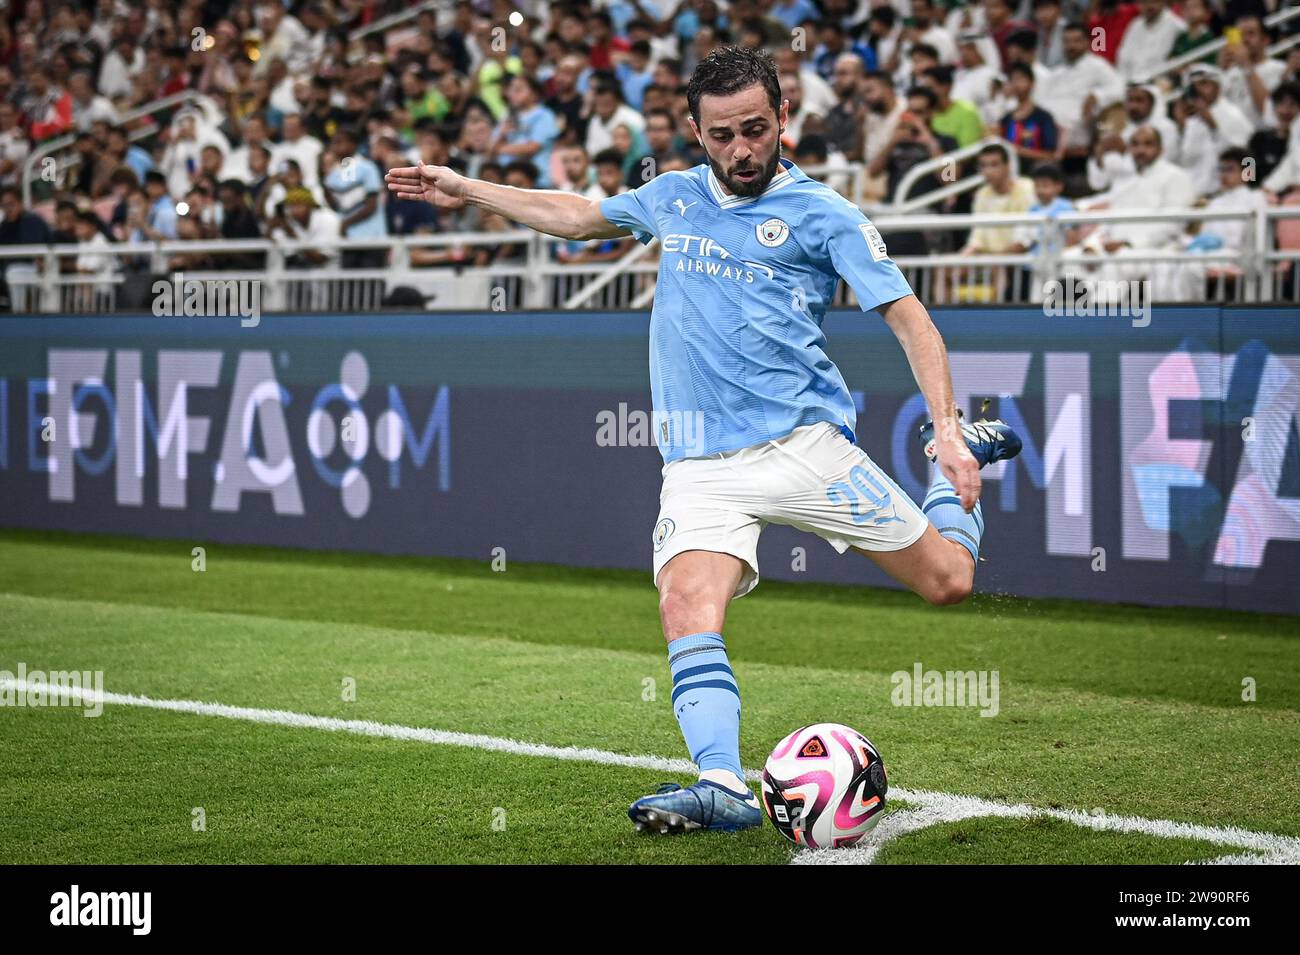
{"x":814,"y":479}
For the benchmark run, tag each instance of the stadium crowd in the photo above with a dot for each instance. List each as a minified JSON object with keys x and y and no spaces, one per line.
{"x":283,"y":117}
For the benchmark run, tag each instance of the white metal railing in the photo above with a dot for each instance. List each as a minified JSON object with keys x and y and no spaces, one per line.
{"x":394,"y":19}
{"x":1284,"y":44}
{"x":532,"y":278}
{"x":585,"y":294}
{"x":1214,"y":46}
{"x":1255,"y":272}
{"x":901,"y":203}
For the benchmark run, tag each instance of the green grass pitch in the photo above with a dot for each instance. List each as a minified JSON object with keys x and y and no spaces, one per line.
{"x":1122,"y":710}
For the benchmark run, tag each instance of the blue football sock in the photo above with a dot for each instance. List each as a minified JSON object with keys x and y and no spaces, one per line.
{"x":706,"y":701}
{"x":943,"y":508}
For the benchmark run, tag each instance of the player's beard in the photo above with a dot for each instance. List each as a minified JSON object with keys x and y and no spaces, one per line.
{"x":756,"y":185}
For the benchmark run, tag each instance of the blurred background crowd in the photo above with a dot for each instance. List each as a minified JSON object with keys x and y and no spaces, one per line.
{"x":240,"y":119}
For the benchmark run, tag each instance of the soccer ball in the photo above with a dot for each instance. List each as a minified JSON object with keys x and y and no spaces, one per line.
{"x":824,"y":786}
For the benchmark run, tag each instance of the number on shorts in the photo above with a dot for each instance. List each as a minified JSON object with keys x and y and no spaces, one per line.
{"x":866,"y":486}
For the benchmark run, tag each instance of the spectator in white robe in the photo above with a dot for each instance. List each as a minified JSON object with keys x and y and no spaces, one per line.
{"x":1110,"y":162}
{"x":976,"y":81}
{"x":1249,"y":74}
{"x":189,"y":134}
{"x":1223,"y":241}
{"x":1148,"y":40}
{"x":1157,"y":185}
{"x":1080,"y":89}
{"x":1208,"y":124}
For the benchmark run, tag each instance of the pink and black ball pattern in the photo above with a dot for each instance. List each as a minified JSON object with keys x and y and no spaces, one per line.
{"x":824,"y":786}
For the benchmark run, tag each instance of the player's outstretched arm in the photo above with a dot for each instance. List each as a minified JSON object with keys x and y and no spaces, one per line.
{"x":561,"y":214}
{"x":911,"y":324}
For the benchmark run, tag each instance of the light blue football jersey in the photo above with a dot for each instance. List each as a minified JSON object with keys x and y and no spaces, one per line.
{"x":737,"y":353}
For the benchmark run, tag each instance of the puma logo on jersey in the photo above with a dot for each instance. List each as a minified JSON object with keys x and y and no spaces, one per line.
{"x":682,"y":206}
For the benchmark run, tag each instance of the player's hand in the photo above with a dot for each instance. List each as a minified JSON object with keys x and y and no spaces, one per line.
{"x":957,"y":463}
{"x":443,"y":187}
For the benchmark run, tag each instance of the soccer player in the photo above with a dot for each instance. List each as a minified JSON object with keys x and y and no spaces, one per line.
{"x":754,"y":421}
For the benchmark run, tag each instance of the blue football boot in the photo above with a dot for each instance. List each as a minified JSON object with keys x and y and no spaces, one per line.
{"x":701,"y":805}
{"x":988,"y":441}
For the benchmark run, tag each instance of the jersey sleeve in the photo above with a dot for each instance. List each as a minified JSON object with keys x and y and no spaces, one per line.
{"x":856,"y":250}
{"x":635,"y":210}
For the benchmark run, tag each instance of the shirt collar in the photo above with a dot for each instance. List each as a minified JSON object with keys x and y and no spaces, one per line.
{"x":786,"y":173}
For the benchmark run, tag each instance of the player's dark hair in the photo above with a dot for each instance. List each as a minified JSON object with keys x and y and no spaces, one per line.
{"x":731,"y":69}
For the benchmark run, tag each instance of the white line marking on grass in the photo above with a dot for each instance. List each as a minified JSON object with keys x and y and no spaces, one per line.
{"x":931,"y":808}
{"x":360,"y":727}
{"x":937,"y":808}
